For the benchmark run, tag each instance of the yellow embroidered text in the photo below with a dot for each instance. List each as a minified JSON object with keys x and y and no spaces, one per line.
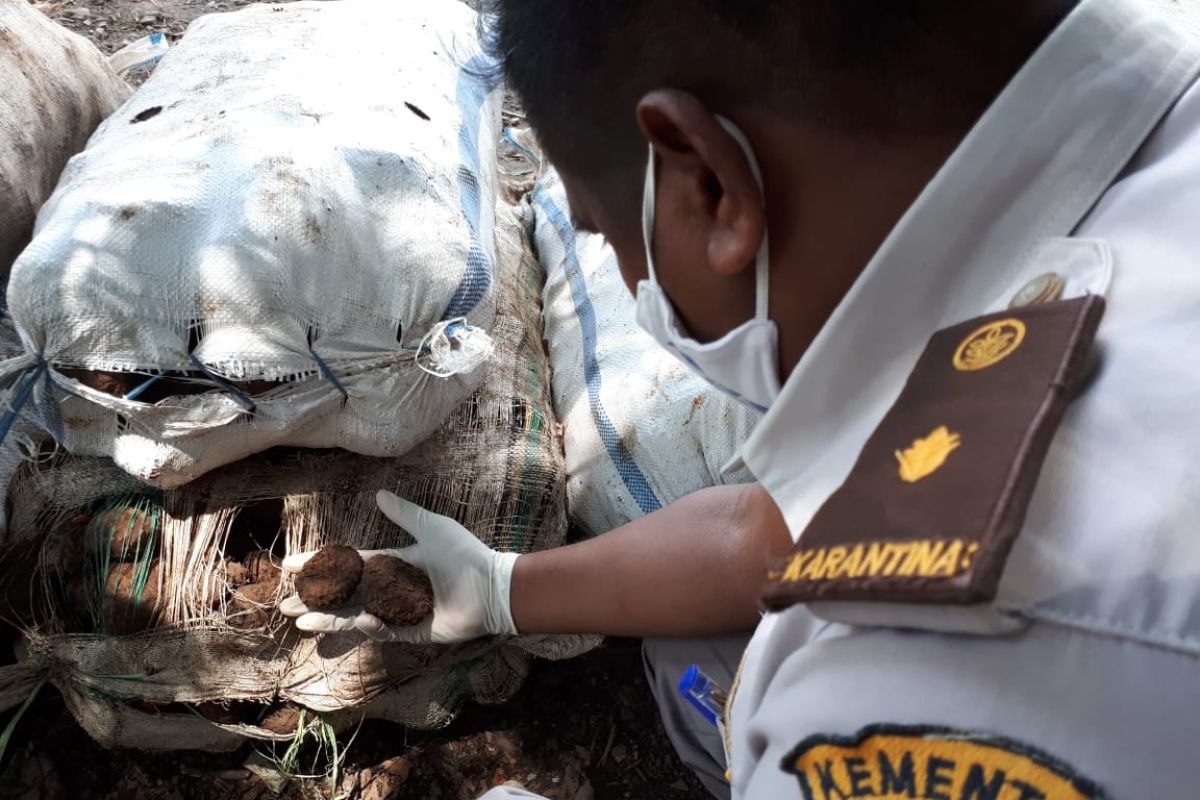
{"x":891,"y":763}
{"x":923,"y":558}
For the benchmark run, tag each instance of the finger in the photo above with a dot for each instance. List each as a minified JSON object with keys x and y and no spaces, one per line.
{"x":411,"y":554}
{"x":380,"y":631}
{"x":371,"y":626}
{"x":296,"y":561}
{"x":328,"y":622}
{"x":409,"y":516}
{"x":293,"y":607}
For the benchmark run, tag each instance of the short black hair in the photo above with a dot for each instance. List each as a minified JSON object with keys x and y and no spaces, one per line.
{"x":862,"y":68}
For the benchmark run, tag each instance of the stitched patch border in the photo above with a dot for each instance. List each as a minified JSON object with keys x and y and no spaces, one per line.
{"x":919,"y":762}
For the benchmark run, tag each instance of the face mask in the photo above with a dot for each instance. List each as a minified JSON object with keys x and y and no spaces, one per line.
{"x":743,"y":362}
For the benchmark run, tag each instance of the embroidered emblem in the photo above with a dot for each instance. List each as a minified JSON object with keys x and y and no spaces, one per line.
{"x":906,"y":762}
{"x":990,"y":344}
{"x":927,"y":455}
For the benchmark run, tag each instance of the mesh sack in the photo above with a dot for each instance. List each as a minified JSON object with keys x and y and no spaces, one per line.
{"x":57,"y":89}
{"x":285,"y":238}
{"x":495,"y":465}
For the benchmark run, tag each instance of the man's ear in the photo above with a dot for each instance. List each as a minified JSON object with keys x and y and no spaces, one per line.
{"x":707,"y":177}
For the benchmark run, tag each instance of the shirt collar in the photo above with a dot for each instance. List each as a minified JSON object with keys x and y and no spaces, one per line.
{"x":1030,"y":169}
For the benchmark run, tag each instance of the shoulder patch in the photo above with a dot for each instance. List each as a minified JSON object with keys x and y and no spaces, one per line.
{"x":931,"y":508}
{"x":920,"y":762}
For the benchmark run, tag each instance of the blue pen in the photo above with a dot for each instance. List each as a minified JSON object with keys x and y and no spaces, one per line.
{"x":706,"y":696}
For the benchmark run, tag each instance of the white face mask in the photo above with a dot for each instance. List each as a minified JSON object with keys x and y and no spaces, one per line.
{"x":742,"y":363}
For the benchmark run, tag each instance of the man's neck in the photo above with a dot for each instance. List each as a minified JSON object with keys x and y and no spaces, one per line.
{"x":830,"y":216}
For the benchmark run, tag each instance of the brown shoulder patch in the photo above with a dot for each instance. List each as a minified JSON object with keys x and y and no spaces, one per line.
{"x":931,"y":508}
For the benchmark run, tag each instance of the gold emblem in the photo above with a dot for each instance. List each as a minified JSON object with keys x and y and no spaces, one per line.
{"x":895,"y":762}
{"x":927,"y":455}
{"x":985,"y":346}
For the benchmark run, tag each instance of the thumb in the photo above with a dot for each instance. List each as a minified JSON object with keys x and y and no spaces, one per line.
{"x":409,"y":516}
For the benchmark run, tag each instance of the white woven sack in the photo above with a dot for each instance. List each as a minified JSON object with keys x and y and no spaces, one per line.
{"x":301,"y":193}
{"x":640,"y":429}
{"x":56,"y":88}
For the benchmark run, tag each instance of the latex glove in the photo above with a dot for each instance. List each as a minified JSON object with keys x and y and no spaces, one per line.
{"x":471,"y":583}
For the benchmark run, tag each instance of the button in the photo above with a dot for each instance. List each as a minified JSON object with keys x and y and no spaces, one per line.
{"x":1043,"y":289}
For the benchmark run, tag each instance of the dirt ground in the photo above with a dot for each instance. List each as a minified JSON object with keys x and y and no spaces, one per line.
{"x":586,"y":729}
{"x":112,"y":24}
{"x":582,"y":729}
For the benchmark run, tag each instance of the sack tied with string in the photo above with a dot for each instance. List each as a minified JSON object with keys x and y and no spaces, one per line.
{"x":286,"y":237}
{"x":154,"y":612}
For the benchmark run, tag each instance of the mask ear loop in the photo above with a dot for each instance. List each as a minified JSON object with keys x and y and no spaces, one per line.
{"x":648,"y":192}
{"x":762,"y":259}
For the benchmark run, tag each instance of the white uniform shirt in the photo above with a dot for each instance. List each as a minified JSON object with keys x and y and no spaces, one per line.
{"x":1087,"y":665}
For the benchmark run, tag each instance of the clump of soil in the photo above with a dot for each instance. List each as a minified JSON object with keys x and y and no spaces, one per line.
{"x":128,"y":532}
{"x":263,"y":566}
{"x":130,"y":599}
{"x":395,"y":591}
{"x":236,"y":574}
{"x":283,"y":719}
{"x":330,"y":577}
{"x":252,"y":606}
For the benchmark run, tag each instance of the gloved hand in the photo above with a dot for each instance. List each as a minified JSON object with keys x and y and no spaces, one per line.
{"x":470,"y":583}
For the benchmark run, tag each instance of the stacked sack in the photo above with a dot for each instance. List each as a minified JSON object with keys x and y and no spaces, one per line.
{"x":284,"y":238}
{"x":57,"y":89}
{"x":146,"y":582}
{"x":642,"y":430}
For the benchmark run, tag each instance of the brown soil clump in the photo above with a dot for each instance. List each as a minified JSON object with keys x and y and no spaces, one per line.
{"x":396,"y":591}
{"x":263,"y":566}
{"x":330,"y":577}
{"x":125,"y":609}
{"x":283,"y":720}
{"x":252,"y":606}
{"x":236,"y":574}
{"x":128,"y":532}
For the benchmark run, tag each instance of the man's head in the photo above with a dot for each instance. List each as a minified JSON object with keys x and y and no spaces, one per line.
{"x":822,"y":88}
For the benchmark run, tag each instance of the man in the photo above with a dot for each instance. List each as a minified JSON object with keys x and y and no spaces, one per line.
{"x":947,"y":620}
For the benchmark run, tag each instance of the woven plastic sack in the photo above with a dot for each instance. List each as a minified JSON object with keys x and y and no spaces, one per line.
{"x":641,"y":430}
{"x":286,"y":237}
{"x":495,"y":465}
{"x":57,"y":89}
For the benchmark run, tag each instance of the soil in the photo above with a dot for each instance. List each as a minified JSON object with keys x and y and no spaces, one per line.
{"x":395,"y":591}
{"x":128,"y":532}
{"x":330,"y":577}
{"x":283,"y":719}
{"x":112,"y":24}
{"x":252,"y":606}
{"x":580,"y":729}
{"x":263,"y":566}
{"x":126,"y":608}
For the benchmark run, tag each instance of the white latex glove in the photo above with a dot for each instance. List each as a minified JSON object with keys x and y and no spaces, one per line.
{"x":471,"y":583}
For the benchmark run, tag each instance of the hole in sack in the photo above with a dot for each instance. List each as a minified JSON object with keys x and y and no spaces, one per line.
{"x":149,"y":113}
{"x":258,"y":527}
{"x":413,"y":109}
{"x":151,"y":390}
